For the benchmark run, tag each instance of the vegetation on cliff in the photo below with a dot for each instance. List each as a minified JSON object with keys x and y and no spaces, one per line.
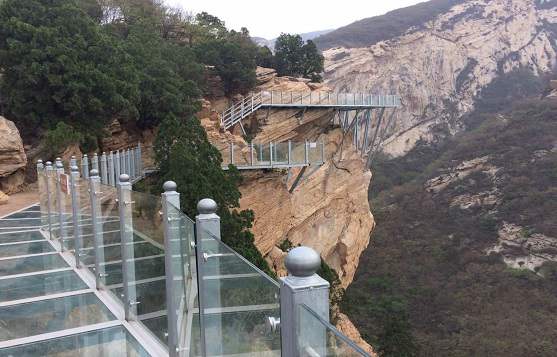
{"x":427,"y":285}
{"x":369,"y":31}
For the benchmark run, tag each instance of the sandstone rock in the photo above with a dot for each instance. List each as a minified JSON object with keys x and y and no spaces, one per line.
{"x":12,"y":157}
{"x":214,"y":83}
{"x":440,"y":69}
{"x":119,"y":138}
{"x":4,"y":199}
{"x":346,"y":326}
{"x":265,"y":75}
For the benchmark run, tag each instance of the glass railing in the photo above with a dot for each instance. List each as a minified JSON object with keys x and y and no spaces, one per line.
{"x":177,"y":278}
{"x":237,"y":300}
{"x":317,"y":337}
{"x":329,"y":99}
{"x":275,"y":155}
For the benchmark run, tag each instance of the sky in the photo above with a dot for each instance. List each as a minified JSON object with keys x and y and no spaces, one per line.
{"x":268,"y":18}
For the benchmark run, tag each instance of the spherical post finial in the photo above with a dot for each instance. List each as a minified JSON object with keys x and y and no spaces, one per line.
{"x":207,"y":206}
{"x":48,"y":163}
{"x":124,"y":178}
{"x":74,"y":168}
{"x":94,"y":173}
{"x":169,"y":186}
{"x":59,"y":165}
{"x":39,"y":161}
{"x":302,"y":262}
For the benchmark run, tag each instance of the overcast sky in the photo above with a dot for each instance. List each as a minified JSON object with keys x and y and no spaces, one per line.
{"x":268,"y":18}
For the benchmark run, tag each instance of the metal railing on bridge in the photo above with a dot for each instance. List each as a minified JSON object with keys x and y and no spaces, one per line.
{"x":274,"y":155}
{"x":318,"y":100}
{"x":176,"y":279}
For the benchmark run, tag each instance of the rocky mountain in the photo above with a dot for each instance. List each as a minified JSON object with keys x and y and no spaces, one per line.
{"x":305,"y":36}
{"x":439,"y":59}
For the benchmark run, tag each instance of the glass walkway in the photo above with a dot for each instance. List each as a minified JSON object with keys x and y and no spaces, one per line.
{"x":98,"y":270}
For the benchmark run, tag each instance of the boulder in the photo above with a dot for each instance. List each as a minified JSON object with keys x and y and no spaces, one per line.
{"x":3,"y":198}
{"x":12,"y":157}
{"x":265,"y":75}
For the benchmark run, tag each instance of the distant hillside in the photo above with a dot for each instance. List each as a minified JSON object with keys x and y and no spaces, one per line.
{"x":369,"y":31}
{"x":463,"y":261}
{"x":305,"y":36}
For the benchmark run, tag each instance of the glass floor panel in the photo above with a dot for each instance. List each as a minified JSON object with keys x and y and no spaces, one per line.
{"x":31,"y":264}
{"x":158,"y":326}
{"x":52,"y":315}
{"x":40,"y":285}
{"x":9,"y":223}
{"x":144,"y":269}
{"x":114,"y":252}
{"x":25,"y":248}
{"x":24,"y":214}
{"x":20,"y":236}
{"x":110,"y":342}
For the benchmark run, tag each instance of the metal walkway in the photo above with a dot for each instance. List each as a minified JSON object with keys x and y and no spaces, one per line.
{"x":305,"y":100}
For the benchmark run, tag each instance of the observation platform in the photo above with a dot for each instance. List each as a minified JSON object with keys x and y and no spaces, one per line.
{"x":100,"y":270}
{"x":305,"y":100}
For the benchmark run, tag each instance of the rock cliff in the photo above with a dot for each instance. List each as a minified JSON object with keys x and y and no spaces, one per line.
{"x":440,"y":67}
{"x":328,"y":209}
{"x":12,"y":159}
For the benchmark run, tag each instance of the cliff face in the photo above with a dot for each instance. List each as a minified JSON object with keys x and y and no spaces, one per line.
{"x":328,"y":209}
{"x":441,"y":67}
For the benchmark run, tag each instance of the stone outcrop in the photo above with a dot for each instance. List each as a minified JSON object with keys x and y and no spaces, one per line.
{"x":441,"y":67}
{"x":119,"y":138}
{"x":328,"y":210}
{"x":12,"y":158}
{"x":346,"y":326}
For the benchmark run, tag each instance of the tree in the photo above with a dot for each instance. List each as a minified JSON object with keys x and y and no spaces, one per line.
{"x":294,"y":58}
{"x":185,"y":155}
{"x":264,"y":57}
{"x":58,"y":65}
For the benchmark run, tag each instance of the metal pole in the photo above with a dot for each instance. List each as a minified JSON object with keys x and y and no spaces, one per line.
{"x":139,"y":160}
{"x":271,"y":153}
{"x":104,"y":171}
{"x":306,"y":152}
{"x":74,"y":177}
{"x":48,"y":174}
{"x":122,"y":162}
{"x":116,"y":167}
{"x":289,"y":152}
{"x":128,"y":163}
{"x":303,"y":286}
{"x":251,"y":153}
{"x":323,"y":152}
{"x":172,"y":253}
{"x":111,"y":176}
{"x":260,"y":153}
{"x":73,"y":161}
{"x":59,"y":201}
{"x":231,"y":146}
{"x":95,"y":162}
{"x":132,"y":163}
{"x":96,"y":221}
{"x":85,"y":167}
{"x":127,"y":247}
{"x":207,"y":222}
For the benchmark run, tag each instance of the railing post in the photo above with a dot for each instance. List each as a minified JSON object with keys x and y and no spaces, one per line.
{"x":74,"y":177}
{"x":73,"y":161}
{"x":49,"y":189}
{"x":59,"y":201}
{"x":132,"y":163}
{"x":116,"y":167}
{"x":111,"y":176}
{"x":129,"y":163}
{"x":96,"y":222}
{"x":172,"y":254}
{"x":251,"y":153}
{"x":122,"y":162}
{"x":139,"y":162}
{"x":127,"y":247}
{"x":289,"y":152}
{"x":104,"y":171}
{"x":271,"y":97}
{"x":95,"y":162}
{"x":231,"y":153}
{"x":306,"y":152}
{"x":85,"y":167}
{"x":271,"y":153}
{"x":303,"y":286}
{"x":207,"y":222}
{"x":323,"y":152}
